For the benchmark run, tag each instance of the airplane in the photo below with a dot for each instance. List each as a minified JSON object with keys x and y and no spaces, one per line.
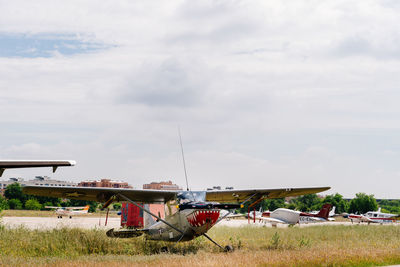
{"x":292,"y":217}
{"x":373,"y":217}
{"x":188,"y":214}
{"x":14,"y":164}
{"x":69,"y":211}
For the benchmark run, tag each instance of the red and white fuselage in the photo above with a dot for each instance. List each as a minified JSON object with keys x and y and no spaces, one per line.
{"x":373,"y":217}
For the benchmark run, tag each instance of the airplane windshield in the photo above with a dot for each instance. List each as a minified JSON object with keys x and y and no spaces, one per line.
{"x":191,"y":196}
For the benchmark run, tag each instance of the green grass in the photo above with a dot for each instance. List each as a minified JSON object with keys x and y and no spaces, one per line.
{"x":358,"y":245}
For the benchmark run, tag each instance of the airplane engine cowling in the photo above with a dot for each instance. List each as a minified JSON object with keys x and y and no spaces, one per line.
{"x":202,"y":220}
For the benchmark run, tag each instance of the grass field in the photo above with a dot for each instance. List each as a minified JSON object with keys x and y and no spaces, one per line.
{"x":358,"y":245}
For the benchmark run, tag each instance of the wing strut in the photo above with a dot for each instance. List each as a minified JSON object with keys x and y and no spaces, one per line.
{"x":152,"y":214}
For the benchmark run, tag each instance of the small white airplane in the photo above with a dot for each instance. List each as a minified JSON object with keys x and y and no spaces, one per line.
{"x":69,"y":211}
{"x":374,"y":217}
{"x":292,"y":217}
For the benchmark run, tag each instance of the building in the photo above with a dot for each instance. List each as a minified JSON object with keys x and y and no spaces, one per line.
{"x":104,"y":183}
{"x":39,"y":180}
{"x":162,"y":186}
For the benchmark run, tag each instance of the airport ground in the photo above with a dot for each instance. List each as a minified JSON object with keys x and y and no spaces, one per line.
{"x":80,"y":241}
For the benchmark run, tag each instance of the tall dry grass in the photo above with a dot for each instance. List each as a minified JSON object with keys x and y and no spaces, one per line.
{"x":358,"y":245}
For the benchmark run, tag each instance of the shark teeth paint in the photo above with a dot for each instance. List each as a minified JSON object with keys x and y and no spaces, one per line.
{"x":202,"y":220}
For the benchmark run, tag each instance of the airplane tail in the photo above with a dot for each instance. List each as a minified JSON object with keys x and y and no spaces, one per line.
{"x":324,"y":212}
{"x":332,"y":212}
{"x":86,"y":209}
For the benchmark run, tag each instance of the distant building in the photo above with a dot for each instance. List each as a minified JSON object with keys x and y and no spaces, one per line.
{"x":162,"y":186}
{"x":39,"y":180}
{"x":104,"y":183}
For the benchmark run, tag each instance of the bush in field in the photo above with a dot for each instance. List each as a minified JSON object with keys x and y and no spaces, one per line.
{"x":32,"y":204}
{"x":363,"y":203}
{"x":15,"y":204}
{"x":3,"y":203}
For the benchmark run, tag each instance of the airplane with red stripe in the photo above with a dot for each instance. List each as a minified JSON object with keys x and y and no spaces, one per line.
{"x":374,"y":217}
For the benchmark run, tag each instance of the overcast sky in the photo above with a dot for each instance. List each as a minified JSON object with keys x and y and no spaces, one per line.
{"x":267,"y":94}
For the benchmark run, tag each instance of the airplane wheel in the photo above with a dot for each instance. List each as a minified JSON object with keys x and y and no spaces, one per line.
{"x":60,"y":217}
{"x":228,"y":248}
{"x":164,"y":250}
{"x":70,"y":217}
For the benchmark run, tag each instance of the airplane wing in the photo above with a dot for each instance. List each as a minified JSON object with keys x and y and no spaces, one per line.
{"x":101,"y":194}
{"x":230,"y":196}
{"x":75,"y":208}
{"x":53,"y":207}
{"x":13,"y":164}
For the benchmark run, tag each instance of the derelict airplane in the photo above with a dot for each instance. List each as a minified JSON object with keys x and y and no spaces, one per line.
{"x":188,"y":214}
{"x":69,"y":211}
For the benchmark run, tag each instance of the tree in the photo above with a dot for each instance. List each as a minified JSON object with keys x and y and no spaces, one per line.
{"x":15,"y":204}
{"x":337,"y":201}
{"x":307,"y":202}
{"x":117,"y":206}
{"x":3,"y":203}
{"x":32,"y":204}
{"x":14,"y":191}
{"x":363,"y":203}
{"x":273,"y":204}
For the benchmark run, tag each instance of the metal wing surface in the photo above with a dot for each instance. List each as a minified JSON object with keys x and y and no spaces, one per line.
{"x":14,"y":164}
{"x":101,"y":194}
{"x":53,"y":207}
{"x":230,"y":196}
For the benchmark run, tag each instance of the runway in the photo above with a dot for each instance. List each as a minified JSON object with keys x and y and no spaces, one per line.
{"x":91,"y":222}
{"x":54,"y":222}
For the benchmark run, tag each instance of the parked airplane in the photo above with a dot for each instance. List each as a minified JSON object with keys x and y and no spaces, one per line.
{"x":189,"y":214}
{"x":69,"y":211}
{"x":292,"y":217}
{"x":13,"y":164}
{"x":374,"y":217}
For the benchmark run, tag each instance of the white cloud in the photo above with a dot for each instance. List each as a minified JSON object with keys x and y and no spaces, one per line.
{"x":267,"y":94}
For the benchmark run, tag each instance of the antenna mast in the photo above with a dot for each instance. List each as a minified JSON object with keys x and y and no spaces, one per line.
{"x":183,"y":158}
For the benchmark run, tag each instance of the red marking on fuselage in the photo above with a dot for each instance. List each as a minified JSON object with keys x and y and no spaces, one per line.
{"x":200,"y":218}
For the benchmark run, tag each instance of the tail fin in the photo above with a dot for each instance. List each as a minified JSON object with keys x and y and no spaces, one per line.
{"x":379,"y":210}
{"x":324,"y":212}
{"x":86,"y":208}
{"x":332,"y":212}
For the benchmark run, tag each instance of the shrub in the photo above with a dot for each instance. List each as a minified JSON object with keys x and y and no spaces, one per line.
{"x":33,"y":204}
{"x":14,"y":204}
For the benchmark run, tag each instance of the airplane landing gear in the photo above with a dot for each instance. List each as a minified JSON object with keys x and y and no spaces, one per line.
{"x":225,"y":249}
{"x":228,"y":248}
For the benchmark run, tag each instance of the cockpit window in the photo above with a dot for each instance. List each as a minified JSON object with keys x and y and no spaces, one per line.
{"x":191,"y":196}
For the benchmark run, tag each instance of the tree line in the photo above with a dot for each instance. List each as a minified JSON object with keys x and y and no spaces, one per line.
{"x":361,"y":204}
{"x":14,"y":198}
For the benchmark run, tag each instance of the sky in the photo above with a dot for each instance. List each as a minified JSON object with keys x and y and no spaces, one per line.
{"x":267,"y":94}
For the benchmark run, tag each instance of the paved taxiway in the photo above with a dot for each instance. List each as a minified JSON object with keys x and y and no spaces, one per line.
{"x":114,"y":222}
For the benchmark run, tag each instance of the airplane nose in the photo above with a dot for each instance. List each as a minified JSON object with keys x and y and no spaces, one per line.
{"x":203,"y":219}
